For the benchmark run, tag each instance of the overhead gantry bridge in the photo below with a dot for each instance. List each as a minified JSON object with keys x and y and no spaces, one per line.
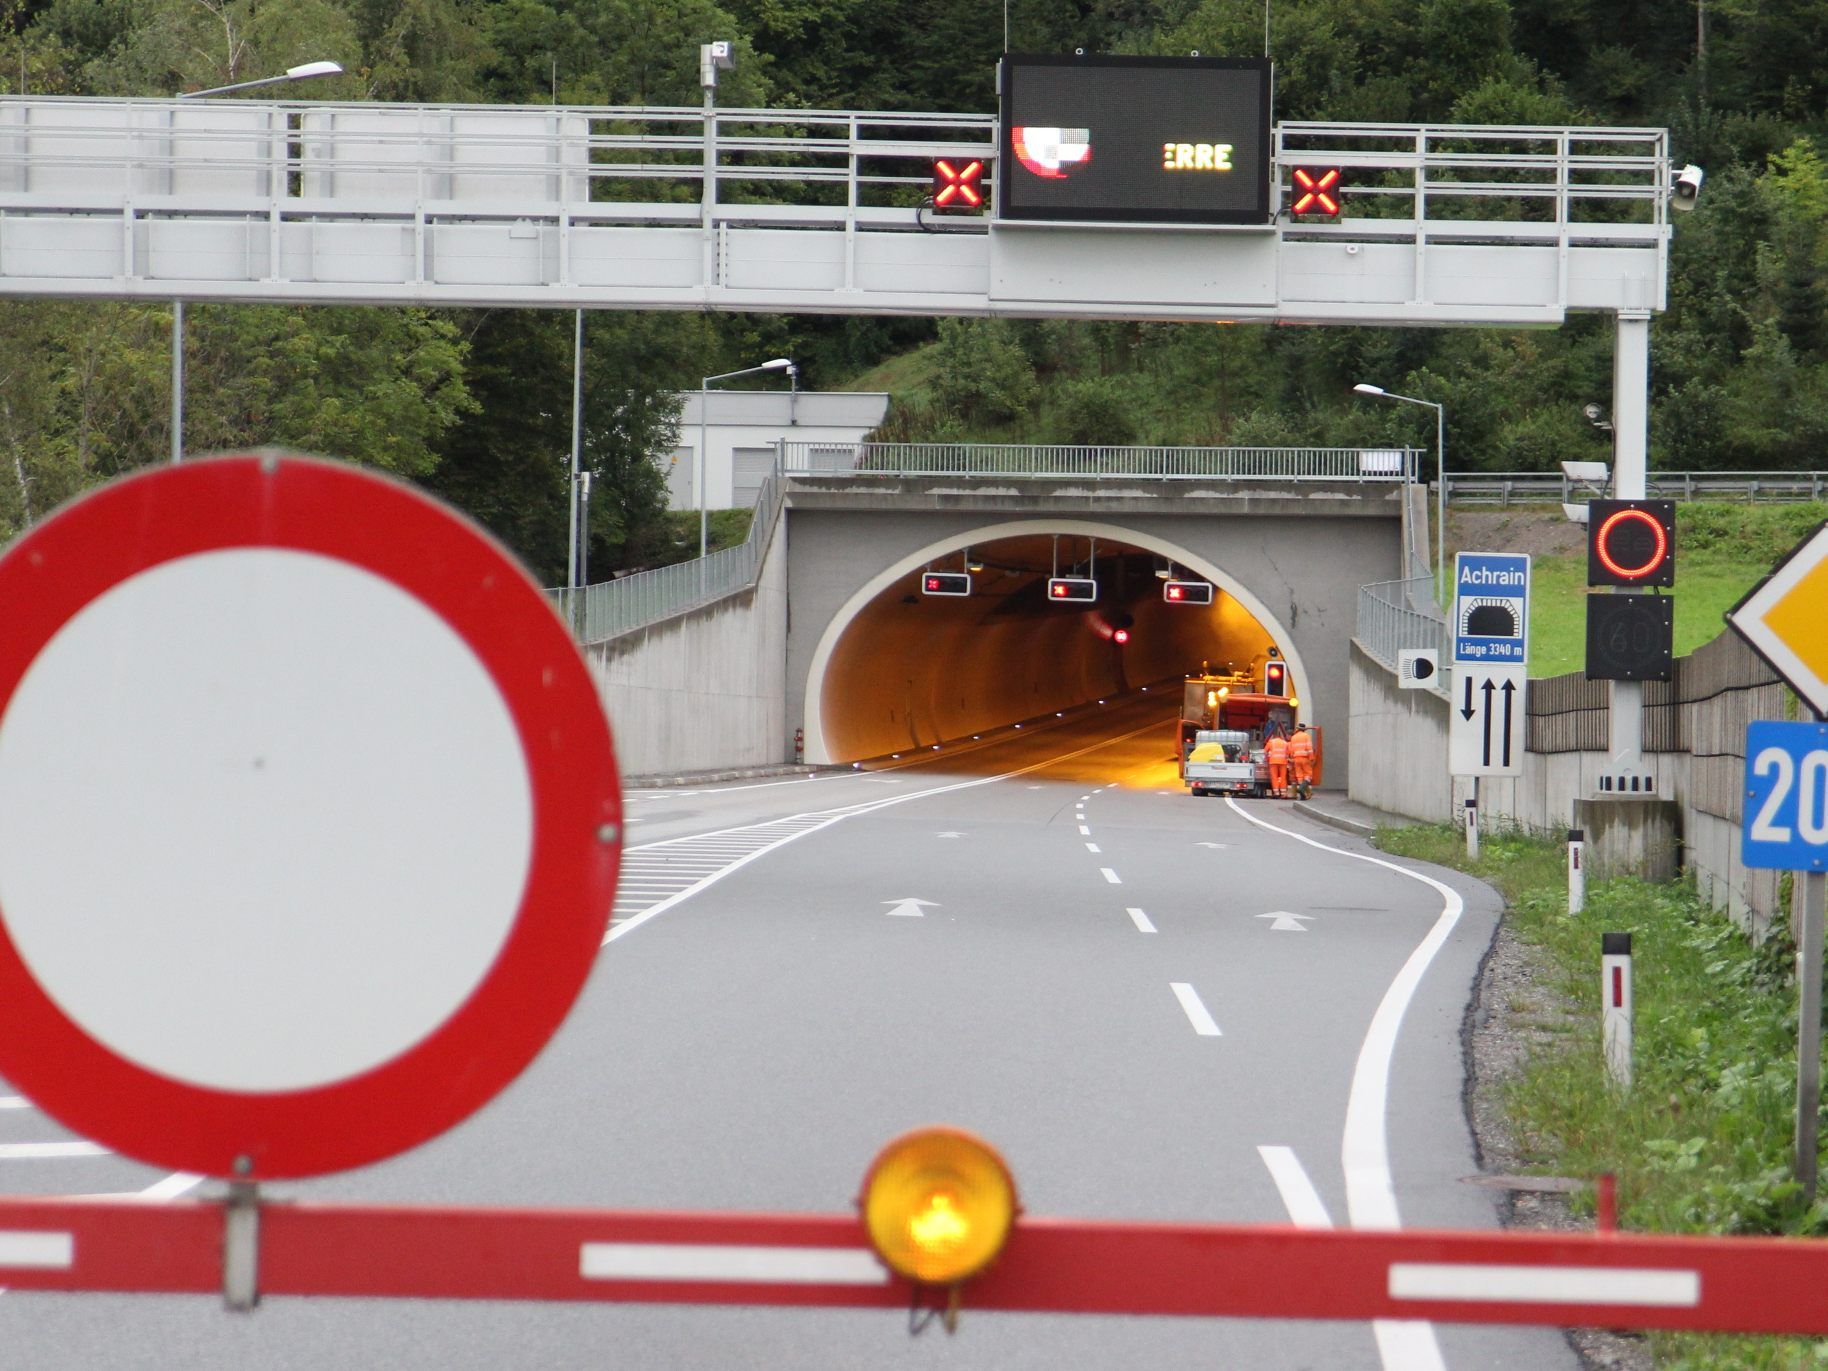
{"x":796,"y":211}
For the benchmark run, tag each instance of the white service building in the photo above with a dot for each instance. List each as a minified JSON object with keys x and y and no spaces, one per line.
{"x":740,"y":429}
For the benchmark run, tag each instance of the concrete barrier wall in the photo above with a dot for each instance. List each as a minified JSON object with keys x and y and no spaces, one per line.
{"x":705,"y":690}
{"x":1399,"y":765}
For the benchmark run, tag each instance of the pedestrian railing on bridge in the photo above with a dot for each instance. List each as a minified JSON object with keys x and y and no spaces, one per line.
{"x":1547,"y":487}
{"x":1099,"y":462}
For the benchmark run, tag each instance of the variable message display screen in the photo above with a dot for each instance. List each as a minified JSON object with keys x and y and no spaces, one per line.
{"x":1135,"y":139}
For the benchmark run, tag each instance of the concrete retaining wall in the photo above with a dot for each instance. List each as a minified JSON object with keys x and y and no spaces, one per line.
{"x":707,"y":689}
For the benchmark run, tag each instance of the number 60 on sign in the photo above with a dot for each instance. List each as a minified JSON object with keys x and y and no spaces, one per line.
{"x":1786,"y":796}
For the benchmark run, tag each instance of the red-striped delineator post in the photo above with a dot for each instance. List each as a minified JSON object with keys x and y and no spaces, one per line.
{"x":1615,"y":1002}
{"x":1577,"y":870}
{"x":1770,"y":1285}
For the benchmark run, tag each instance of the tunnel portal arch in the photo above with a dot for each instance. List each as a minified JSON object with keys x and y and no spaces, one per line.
{"x":817,"y":750}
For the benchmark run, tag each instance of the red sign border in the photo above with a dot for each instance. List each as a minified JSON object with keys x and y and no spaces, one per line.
{"x":455,"y":569}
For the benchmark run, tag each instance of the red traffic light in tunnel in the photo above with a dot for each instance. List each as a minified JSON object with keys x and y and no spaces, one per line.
{"x":945,"y":583}
{"x":1187,"y":592}
{"x":1120,"y":636}
{"x":958,"y":186}
{"x":1072,"y":590}
{"x":1275,"y":678}
{"x":1315,"y":191}
{"x":1631,"y":543}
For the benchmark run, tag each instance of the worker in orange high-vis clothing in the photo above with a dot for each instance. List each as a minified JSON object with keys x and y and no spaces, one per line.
{"x":1275,"y":752}
{"x":1301,"y":761}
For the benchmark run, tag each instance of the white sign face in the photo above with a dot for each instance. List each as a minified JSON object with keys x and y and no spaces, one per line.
{"x":1485,"y":721}
{"x":1418,"y":668}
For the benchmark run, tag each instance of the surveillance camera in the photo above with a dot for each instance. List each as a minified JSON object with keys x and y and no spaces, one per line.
{"x":1594,"y":412}
{"x":1687,"y":187}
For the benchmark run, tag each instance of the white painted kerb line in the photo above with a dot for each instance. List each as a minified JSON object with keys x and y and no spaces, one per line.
{"x":1482,"y":1282}
{"x":21,"y":1250}
{"x":658,"y":1261}
{"x":1196,"y":1011}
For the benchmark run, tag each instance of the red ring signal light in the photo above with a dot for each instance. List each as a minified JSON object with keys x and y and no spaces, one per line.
{"x":958,"y":186}
{"x":1631,"y":543}
{"x":1120,"y":636}
{"x":1316,"y":191}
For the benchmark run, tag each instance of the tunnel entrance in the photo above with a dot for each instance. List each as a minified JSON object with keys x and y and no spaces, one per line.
{"x":899,"y":668}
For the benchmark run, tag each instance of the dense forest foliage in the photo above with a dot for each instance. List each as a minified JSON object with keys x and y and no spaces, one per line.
{"x":475,"y":404}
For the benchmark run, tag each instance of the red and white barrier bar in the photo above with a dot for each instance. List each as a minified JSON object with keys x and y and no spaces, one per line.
{"x":1057,"y":1265}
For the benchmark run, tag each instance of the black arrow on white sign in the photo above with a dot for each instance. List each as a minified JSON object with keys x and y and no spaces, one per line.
{"x":1510,"y":693}
{"x":1466,"y":710}
{"x":1489,"y":687}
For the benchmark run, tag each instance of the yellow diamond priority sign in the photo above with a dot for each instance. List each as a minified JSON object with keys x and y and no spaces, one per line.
{"x":1785,"y":619}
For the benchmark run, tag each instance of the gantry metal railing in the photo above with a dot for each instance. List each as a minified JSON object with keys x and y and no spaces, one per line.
{"x":1546,"y":487}
{"x":1099,"y":462}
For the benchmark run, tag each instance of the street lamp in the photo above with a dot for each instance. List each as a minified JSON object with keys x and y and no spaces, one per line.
{"x":304,"y":72}
{"x":1440,"y":471}
{"x":704,"y":405}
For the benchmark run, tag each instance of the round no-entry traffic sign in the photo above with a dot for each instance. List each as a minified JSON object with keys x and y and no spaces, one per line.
{"x":309,"y":817}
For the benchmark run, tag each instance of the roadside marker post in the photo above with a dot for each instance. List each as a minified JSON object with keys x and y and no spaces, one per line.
{"x":1472,"y":824}
{"x":1577,"y":872}
{"x":1615,"y":1001}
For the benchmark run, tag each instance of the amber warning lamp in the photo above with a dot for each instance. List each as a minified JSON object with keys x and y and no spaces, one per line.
{"x":938,"y":1205}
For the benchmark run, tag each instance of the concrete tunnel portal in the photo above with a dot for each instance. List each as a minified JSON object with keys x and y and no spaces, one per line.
{"x":896,"y":670}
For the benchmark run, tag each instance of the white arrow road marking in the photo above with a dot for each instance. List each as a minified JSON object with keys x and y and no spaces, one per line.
{"x":1196,"y":1011}
{"x":1141,"y":920}
{"x":1285,"y":921}
{"x":1305,"y":1207}
{"x":911,"y":906}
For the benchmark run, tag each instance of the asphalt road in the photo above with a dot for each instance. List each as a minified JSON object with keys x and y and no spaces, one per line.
{"x":1100,"y":977}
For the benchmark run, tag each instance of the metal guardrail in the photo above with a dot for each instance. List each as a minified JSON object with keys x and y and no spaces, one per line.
{"x":1546,"y":487}
{"x":1099,"y":462}
{"x":1392,"y":616}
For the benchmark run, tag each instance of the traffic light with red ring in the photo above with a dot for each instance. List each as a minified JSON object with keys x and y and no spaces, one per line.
{"x":1631,"y":543}
{"x":1275,"y":678}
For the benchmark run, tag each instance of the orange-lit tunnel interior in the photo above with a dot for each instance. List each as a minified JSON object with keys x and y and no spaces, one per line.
{"x":912,"y":669}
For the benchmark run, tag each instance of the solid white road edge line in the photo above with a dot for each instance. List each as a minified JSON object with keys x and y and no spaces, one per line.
{"x":1305,"y":1207}
{"x":1195,"y":1010}
{"x":1481,"y":1282}
{"x":1141,"y":920}
{"x":826,"y":819}
{"x":659,"y":1261}
{"x":1408,"y":1345}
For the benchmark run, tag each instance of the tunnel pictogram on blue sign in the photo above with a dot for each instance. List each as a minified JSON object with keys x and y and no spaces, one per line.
{"x":1491,"y":611}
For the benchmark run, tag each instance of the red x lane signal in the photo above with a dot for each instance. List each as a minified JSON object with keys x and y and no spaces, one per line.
{"x":958,"y":186}
{"x":1316,"y":191}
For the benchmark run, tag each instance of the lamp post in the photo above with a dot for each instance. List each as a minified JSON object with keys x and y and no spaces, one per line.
{"x":1440,"y":472}
{"x":303,"y":72}
{"x":704,"y":405}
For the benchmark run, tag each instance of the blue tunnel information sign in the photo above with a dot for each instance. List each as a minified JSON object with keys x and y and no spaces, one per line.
{"x":1491,"y":614}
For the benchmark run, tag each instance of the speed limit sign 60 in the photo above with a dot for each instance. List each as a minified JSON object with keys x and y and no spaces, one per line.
{"x":1786,"y":796}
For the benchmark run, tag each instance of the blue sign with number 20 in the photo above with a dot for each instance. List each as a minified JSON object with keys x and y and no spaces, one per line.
{"x":1786,"y":796}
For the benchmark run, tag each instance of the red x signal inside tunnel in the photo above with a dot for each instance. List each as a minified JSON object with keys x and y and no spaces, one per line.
{"x":908,"y":668}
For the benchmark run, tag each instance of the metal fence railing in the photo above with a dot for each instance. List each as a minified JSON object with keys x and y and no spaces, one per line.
{"x":1547,"y":487}
{"x":1393,"y":615}
{"x":610,"y":609}
{"x":1090,"y":462}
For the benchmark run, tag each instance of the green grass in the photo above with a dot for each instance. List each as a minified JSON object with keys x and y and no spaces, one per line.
{"x":1702,"y":1143}
{"x":1722,"y":550}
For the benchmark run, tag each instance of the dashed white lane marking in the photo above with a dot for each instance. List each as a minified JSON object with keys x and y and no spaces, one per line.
{"x":1084,"y":832}
{"x":1648,"y":1286}
{"x":659,"y":1261}
{"x":40,"y":1151}
{"x":1305,"y":1207}
{"x":659,"y":875}
{"x":1196,"y":1011}
{"x":1141,"y":920}
{"x":1093,"y":847}
{"x":1364,"y":1150}
{"x":1111,"y":875}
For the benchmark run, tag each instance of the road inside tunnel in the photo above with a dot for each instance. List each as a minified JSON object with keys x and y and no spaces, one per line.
{"x":911,"y":669}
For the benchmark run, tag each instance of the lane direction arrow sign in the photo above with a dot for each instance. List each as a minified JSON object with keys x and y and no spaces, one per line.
{"x":1485,"y":724}
{"x":911,"y":907}
{"x":1285,"y":922}
{"x":324,"y":869}
{"x":1785,"y":619}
